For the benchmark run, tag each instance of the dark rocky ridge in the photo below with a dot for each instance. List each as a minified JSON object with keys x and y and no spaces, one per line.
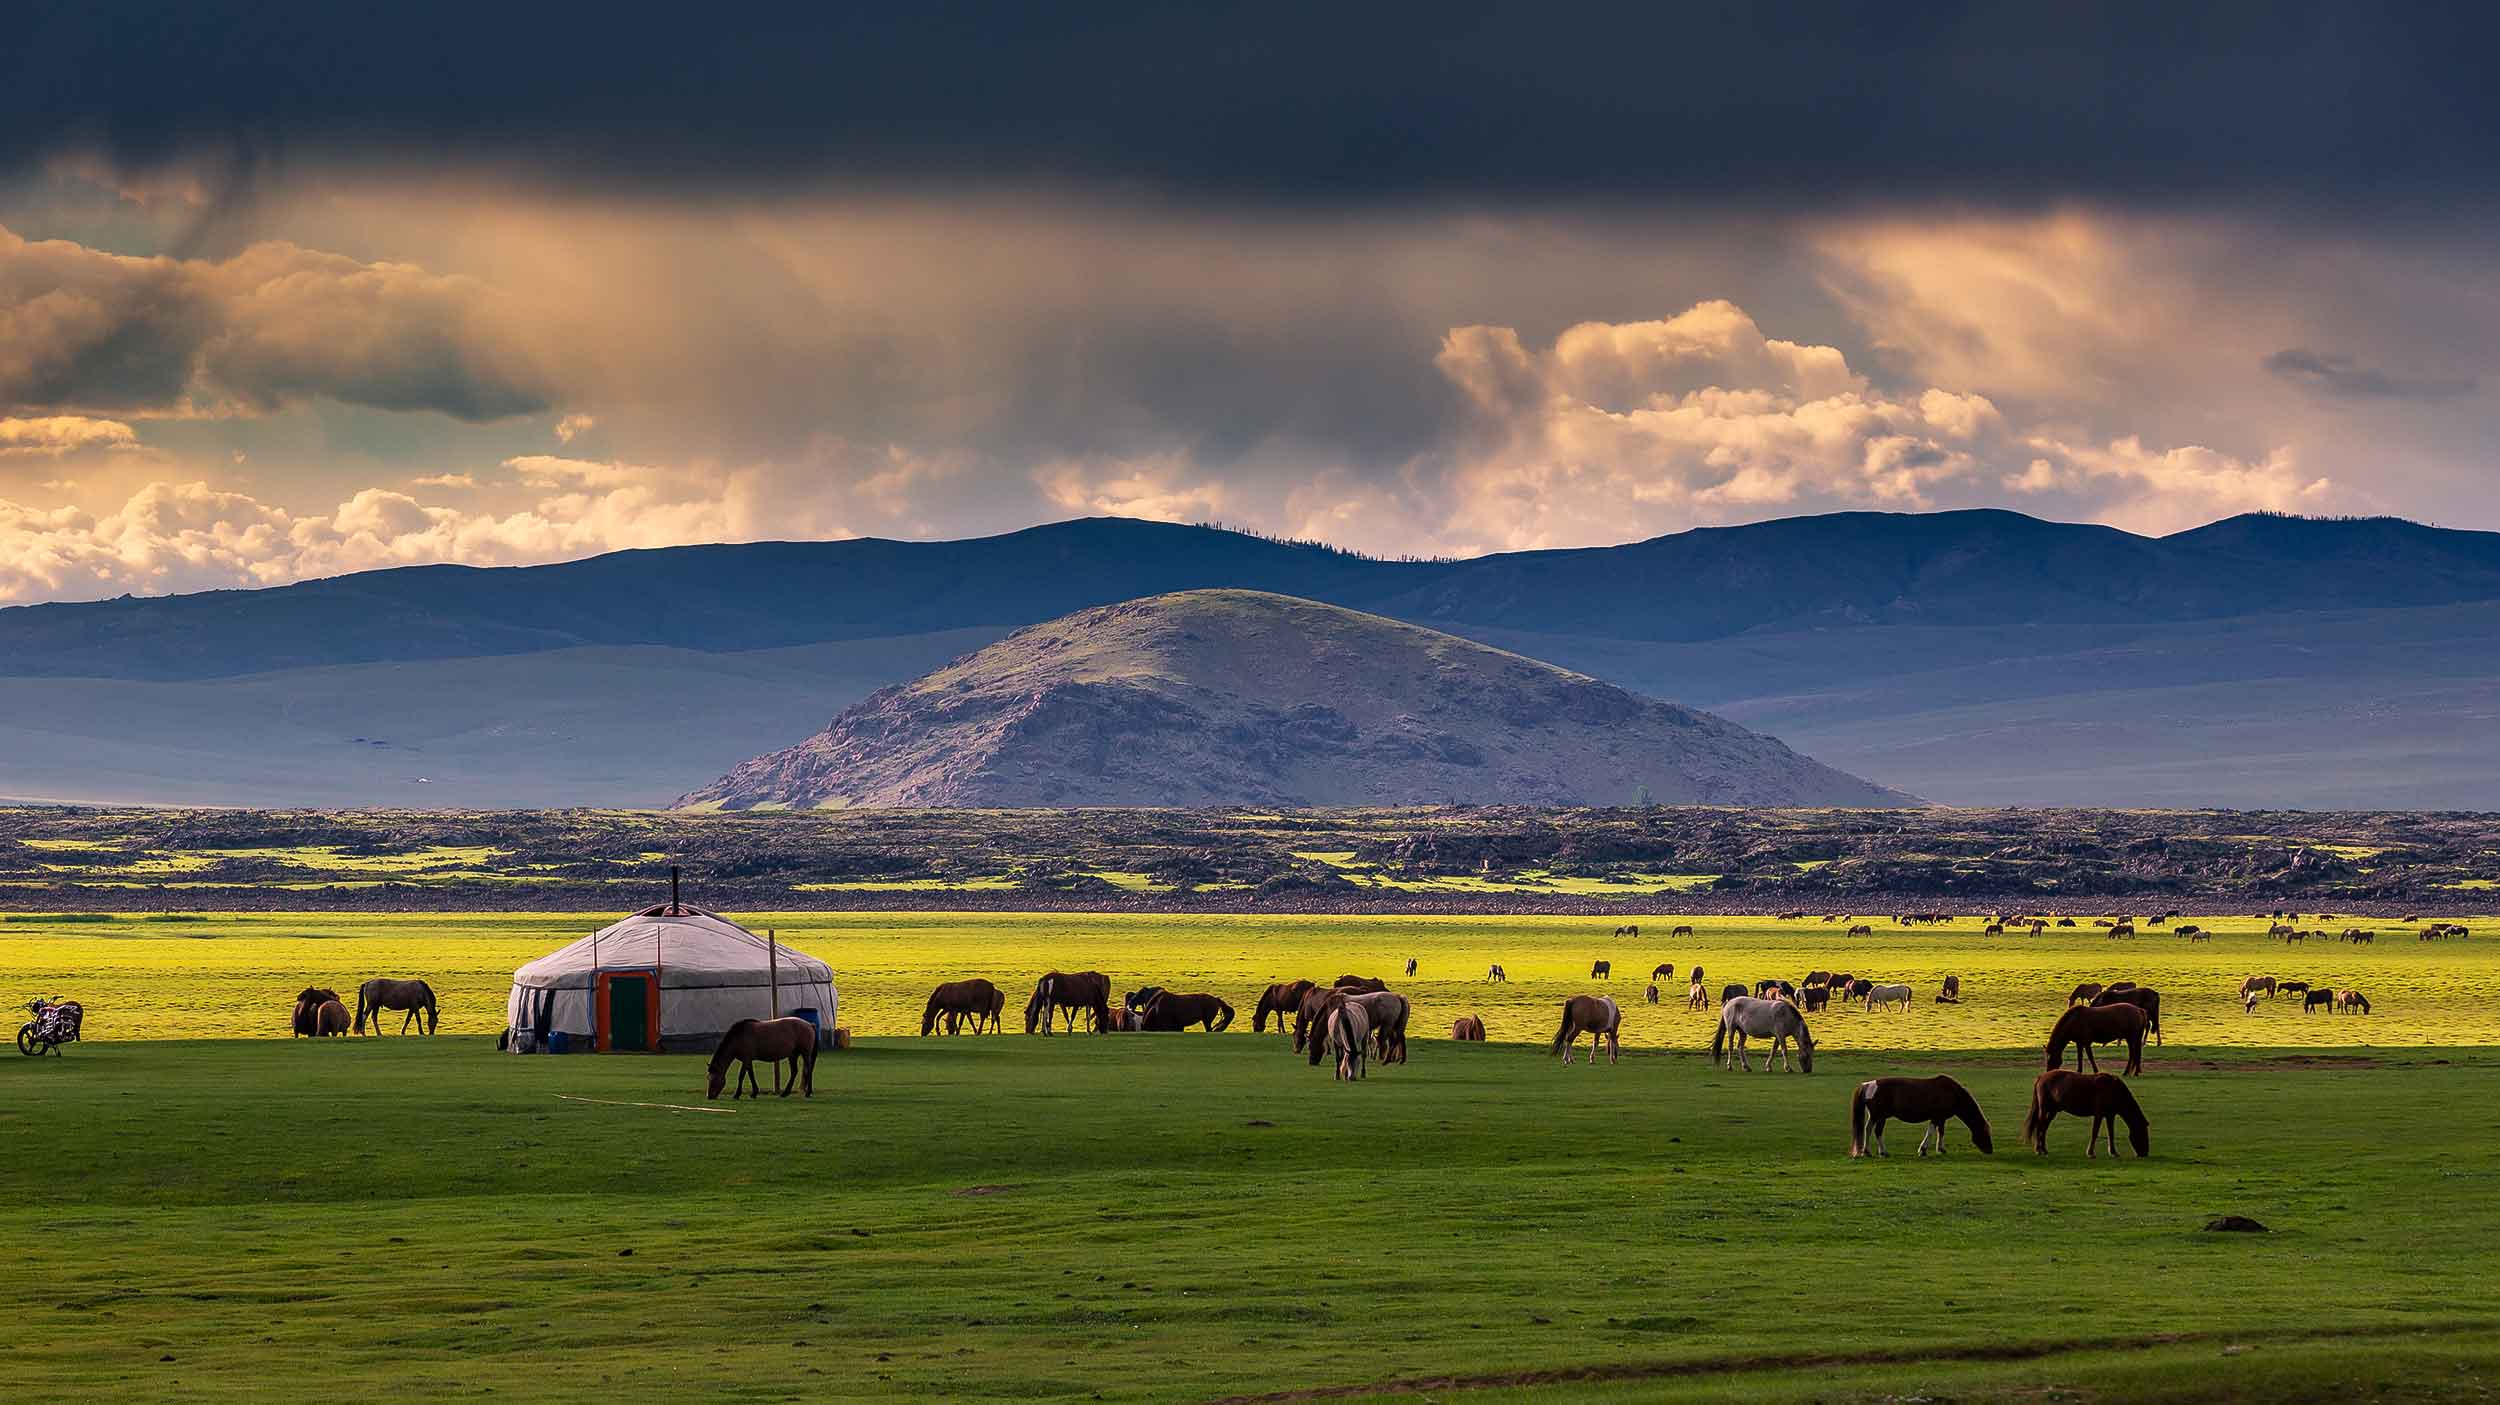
{"x":1233,"y":697}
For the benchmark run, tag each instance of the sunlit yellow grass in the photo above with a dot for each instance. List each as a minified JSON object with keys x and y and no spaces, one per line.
{"x":236,"y":975}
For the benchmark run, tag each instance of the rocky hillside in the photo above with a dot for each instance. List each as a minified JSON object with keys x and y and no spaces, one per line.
{"x":1235,"y":697}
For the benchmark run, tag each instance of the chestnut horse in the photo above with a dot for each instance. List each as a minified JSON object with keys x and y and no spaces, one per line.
{"x":414,"y":997}
{"x":2086,"y":1025}
{"x":2105,"y":1099}
{"x":786,"y":1040}
{"x":954,"y":1000}
{"x":2143,"y":997}
{"x":1069,"y":993}
{"x":1934,"y":1101}
{"x":1467,"y":1029}
{"x":319,"y":1012}
{"x":1597,"y":1017}
{"x":1280,"y":1000}
{"x":1312,"y":1013}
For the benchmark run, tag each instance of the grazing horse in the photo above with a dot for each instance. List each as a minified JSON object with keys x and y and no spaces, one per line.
{"x":1679,"y":932}
{"x":1410,"y":965}
{"x":2291,"y":987}
{"x":1730,"y":992}
{"x":1388,"y":1012}
{"x":1467,"y":1029}
{"x":2083,"y":993}
{"x":1857,"y":989}
{"x":2255,"y":986}
{"x":1627,"y":930}
{"x":1313,"y":1012}
{"x":1366,"y":985}
{"x":2352,"y":1000}
{"x":1280,"y":1000}
{"x":1697,"y":995}
{"x":2316,"y":1000}
{"x":1652,"y":996}
{"x":415,"y":997}
{"x":1766,"y":988}
{"x":2086,"y":1025}
{"x":319,"y":1013}
{"x":789,"y":1040}
{"x":1934,"y":1101}
{"x":955,"y":1000}
{"x":1663,"y":971}
{"x":1168,"y":1012}
{"x":1595,"y":1016}
{"x":1952,"y":993}
{"x":1495,"y":975}
{"x":1775,"y":1020}
{"x":1814,"y":998}
{"x":2106,"y":1100}
{"x":1885,"y":996}
{"x":1861,"y":930}
{"x":1069,"y":993}
{"x":1348,"y":1034}
{"x":1601,"y":970}
{"x":2143,"y":997}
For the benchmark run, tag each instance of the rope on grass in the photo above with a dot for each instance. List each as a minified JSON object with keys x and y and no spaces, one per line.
{"x":672,"y":1107}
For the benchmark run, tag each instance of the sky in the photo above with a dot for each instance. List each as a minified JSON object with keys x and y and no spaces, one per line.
{"x":288,"y":291}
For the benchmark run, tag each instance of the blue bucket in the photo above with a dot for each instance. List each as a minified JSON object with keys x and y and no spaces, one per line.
{"x":808,"y":1013}
{"x":559,"y":1042}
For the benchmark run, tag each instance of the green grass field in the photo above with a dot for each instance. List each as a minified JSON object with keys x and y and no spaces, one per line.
{"x":1176,"y":1218}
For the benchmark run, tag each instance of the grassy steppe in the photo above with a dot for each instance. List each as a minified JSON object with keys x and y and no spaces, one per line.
{"x":1153,"y":1218}
{"x":223,"y":975}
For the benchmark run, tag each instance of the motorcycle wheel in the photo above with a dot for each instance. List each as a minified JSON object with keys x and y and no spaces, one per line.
{"x":26,"y":1041}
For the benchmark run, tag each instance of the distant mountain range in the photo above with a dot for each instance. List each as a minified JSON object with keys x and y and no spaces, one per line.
{"x":1241,"y":697}
{"x":1985,"y":657}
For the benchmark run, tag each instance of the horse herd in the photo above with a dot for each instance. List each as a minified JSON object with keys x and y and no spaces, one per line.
{"x":2343,"y":1001}
{"x":319,"y":1013}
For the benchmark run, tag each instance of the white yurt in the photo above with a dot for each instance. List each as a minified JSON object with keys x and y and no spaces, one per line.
{"x":668,"y":979}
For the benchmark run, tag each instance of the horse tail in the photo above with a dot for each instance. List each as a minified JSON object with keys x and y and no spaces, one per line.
{"x":2036,"y":1122}
{"x":1857,"y":1120}
{"x":1718,"y":1037}
{"x":1562,"y":1037}
{"x":1223,"y":1019}
{"x":360,"y":1009}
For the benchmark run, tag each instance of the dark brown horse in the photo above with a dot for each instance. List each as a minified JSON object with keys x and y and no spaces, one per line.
{"x":2143,"y":997}
{"x":1595,"y":1016}
{"x":2318,"y":999}
{"x":1170,"y":1011}
{"x":955,"y":1000}
{"x":1368,"y":985}
{"x":1934,"y":1101}
{"x":787,"y":1040}
{"x":415,"y":997}
{"x":2086,"y":1025}
{"x":1280,"y":1000}
{"x":2083,"y":993}
{"x":1307,"y":1017}
{"x":2106,"y":1100}
{"x":1070,"y":993}
{"x":1467,"y":1029}
{"x":320,"y":1013}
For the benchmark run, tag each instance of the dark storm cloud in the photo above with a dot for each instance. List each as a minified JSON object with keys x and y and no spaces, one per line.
{"x":1784,"y":104}
{"x":2346,"y":379}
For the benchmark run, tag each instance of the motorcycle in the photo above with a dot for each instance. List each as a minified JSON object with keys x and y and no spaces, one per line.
{"x":55,"y":1023}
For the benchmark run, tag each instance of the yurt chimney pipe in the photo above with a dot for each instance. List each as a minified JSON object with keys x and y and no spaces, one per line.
{"x":676,"y":905}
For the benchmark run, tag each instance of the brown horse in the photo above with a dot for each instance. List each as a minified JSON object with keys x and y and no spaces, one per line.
{"x":2256,"y":985}
{"x":319,"y":1013}
{"x":2086,"y":1025}
{"x":1169,"y":1012}
{"x":1312,"y":1012}
{"x":1070,"y":993}
{"x":2353,"y":1001}
{"x":2083,"y":993}
{"x":1367,"y":985}
{"x":1467,"y":1029}
{"x":2143,"y":997}
{"x":954,"y":1000}
{"x":1597,"y":1017}
{"x":786,"y":1040}
{"x":1934,"y":1101}
{"x":414,"y":997}
{"x":2106,"y":1100}
{"x":1280,"y":1000}
{"x":2318,"y":999}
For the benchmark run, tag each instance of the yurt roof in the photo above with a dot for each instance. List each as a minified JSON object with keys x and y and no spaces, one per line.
{"x":688,"y":945}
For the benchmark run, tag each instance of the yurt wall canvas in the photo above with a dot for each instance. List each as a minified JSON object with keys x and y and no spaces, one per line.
{"x":671,"y":978}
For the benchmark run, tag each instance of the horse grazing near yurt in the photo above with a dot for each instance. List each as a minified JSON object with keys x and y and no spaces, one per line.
{"x":1934,"y":1101}
{"x":2086,"y":1025}
{"x":1069,"y":993}
{"x":2106,"y":1100}
{"x":414,"y":997}
{"x":1776,"y":1020}
{"x":2143,"y":997}
{"x":1168,"y":1012}
{"x":1280,"y":1000}
{"x":789,"y":1040}
{"x":1347,"y":1033}
{"x":1467,"y":1029}
{"x":319,"y":1013}
{"x":1600,"y":1019}
{"x":954,"y":1001}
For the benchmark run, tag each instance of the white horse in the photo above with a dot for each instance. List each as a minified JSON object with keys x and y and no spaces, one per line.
{"x":1878,"y":997}
{"x":1350,"y":1035}
{"x":1775,"y":1020}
